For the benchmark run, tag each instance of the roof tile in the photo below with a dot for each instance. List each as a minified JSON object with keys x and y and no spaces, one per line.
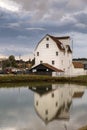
{"x":78,"y":65}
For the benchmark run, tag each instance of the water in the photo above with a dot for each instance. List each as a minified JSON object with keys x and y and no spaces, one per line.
{"x":56,"y":106}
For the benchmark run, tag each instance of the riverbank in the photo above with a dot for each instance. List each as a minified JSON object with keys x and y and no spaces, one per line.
{"x":39,"y":78}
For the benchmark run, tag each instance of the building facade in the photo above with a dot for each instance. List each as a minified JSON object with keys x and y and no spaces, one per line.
{"x":55,"y":51}
{"x":55,"y":55}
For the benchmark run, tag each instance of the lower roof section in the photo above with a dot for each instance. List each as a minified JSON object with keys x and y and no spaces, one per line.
{"x":46,"y":66}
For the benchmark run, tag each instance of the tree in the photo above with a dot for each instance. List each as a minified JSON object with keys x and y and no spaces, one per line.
{"x":11,"y":58}
{"x":33,"y":61}
{"x":12,"y":61}
{"x":5,"y":63}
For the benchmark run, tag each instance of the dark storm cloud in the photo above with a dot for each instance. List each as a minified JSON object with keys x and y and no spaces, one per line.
{"x":37,"y":18}
{"x":82,"y":18}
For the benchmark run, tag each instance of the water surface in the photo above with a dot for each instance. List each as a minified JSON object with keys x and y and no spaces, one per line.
{"x":56,"y":106}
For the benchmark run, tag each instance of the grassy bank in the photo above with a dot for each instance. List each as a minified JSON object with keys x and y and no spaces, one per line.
{"x":39,"y":78}
{"x":29,"y":78}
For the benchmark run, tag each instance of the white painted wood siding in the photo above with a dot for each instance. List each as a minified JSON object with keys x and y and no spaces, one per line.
{"x":47,"y":55}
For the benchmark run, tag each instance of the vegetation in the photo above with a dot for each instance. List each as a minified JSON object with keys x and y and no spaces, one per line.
{"x":38,"y":78}
{"x":80,"y":59}
{"x":11,"y":62}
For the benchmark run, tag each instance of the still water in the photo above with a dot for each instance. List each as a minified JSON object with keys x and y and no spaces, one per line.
{"x":56,"y":106}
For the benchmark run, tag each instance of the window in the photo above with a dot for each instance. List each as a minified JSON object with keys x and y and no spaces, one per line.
{"x":37,"y":53}
{"x":52,"y":95}
{"x":56,"y":53}
{"x":34,"y":70}
{"x":41,"y":62}
{"x":53,"y":62}
{"x":56,"y":104}
{"x":47,"y":45}
{"x":36,"y":103}
{"x":47,"y":69}
{"x":47,"y":38}
{"x":46,"y":112}
{"x":46,"y":119}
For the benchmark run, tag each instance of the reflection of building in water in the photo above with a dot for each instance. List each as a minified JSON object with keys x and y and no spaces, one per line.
{"x":54,"y":103}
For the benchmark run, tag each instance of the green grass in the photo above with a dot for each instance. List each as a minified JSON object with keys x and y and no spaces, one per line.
{"x":27,"y":78}
{"x":39,"y":78}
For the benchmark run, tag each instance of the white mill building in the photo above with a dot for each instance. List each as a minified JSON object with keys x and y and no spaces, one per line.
{"x":53,"y":55}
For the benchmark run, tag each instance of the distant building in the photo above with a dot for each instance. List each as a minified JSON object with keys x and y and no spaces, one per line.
{"x":2,"y":58}
{"x":78,"y":68}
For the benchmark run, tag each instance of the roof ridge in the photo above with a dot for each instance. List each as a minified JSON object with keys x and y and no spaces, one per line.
{"x":63,"y":37}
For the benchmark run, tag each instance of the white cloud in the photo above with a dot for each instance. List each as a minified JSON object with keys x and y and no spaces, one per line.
{"x":25,"y":57}
{"x":3,"y":57}
{"x":36,"y":28}
{"x":13,"y":25}
{"x":9,"y":5}
{"x":68,"y":18}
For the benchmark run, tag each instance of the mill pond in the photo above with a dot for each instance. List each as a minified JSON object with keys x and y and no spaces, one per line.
{"x":43,"y":107}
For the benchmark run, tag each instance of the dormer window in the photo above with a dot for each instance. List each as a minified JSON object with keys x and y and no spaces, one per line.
{"x":62,"y":46}
{"x":47,"y":45}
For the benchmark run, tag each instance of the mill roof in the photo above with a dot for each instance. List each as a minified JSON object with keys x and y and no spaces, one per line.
{"x":59,"y":43}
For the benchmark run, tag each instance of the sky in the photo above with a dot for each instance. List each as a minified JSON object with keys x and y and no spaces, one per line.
{"x":23,"y":23}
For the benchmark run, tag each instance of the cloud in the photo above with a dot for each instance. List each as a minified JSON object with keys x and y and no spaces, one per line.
{"x":52,"y":9}
{"x":25,"y":22}
{"x":76,"y":4}
{"x":36,"y":28}
{"x":9,"y":5}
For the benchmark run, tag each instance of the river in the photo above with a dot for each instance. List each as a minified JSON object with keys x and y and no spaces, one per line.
{"x":43,"y":107}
